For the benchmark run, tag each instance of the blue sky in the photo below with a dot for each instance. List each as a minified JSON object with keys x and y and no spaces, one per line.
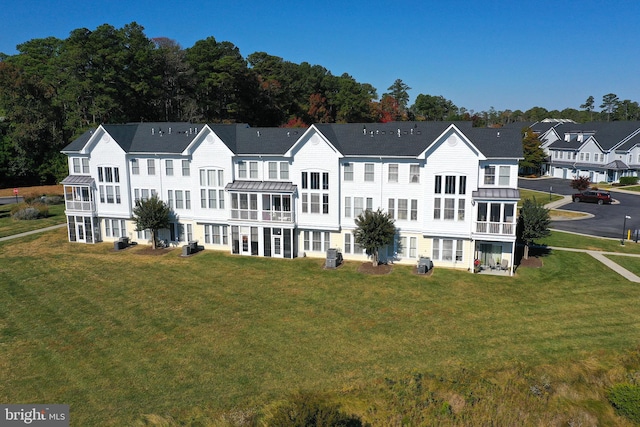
{"x":513,"y":54}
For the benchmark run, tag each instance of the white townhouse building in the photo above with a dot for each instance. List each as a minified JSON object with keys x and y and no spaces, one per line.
{"x":602,"y":151}
{"x":287,"y":192}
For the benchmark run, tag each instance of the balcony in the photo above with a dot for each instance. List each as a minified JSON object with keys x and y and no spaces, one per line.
{"x":496,"y":228}
{"x":277,"y":216}
{"x":80,"y":205}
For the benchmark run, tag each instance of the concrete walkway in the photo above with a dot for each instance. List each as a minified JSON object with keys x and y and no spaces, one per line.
{"x":28,"y":233}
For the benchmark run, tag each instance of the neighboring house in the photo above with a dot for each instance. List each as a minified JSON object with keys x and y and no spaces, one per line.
{"x":286,"y":192}
{"x":602,"y":151}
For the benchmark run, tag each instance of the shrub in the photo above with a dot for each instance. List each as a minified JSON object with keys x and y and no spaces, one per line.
{"x":52,"y":200}
{"x":626,"y":399}
{"x":310,"y":410}
{"x":628,"y":180}
{"x":29,"y":211}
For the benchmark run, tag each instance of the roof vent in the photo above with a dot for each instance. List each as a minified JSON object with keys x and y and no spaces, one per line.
{"x":258,"y":132}
{"x":153,"y":131}
{"x":399,"y":132}
{"x":196,"y":130}
{"x":371,"y":133}
{"x":411,"y":131}
{"x":288,"y":134}
{"x":498,"y":134}
{"x":169,"y":131}
{"x":364,"y":130}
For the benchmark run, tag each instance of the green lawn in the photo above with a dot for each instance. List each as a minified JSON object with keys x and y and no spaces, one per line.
{"x":630,"y":263}
{"x":117,"y":335}
{"x":540,"y":196}
{"x":569,"y":240}
{"x":9,"y":226}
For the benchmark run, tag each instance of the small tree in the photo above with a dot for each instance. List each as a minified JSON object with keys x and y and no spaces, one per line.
{"x":375,"y":229}
{"x":533,"y":223}
{"x":151,"y":214}
{"x":532,"y":152}
{"x":581,"y":183}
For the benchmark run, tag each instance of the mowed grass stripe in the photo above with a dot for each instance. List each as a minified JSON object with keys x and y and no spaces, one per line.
{"x":119,"y":334}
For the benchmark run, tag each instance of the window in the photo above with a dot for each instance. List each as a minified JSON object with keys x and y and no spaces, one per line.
{"x":242,"y":170}
{"x":311,"y":180}
{"x":151,"y":167}
{"x":458,"y":250}
{"x":414,"y":174}
{"x":402,"y":208}
{"x":586,"y":157}
{"x":168,"y":166}
{"x":436,"y":249}
{"x":284,"y":170}
{"x":414,"y":209}
{"x":449,"y":208}
{"x":461,"y":203}
{"x":211,"y":191}
{"x":253,"y":170}
{"x":135,"y":167}
{"x":186,"y":168}
{"x":347,"y":207}
{"x":391,"y":208}
{"x":76,"y":165}
{"x":463,"y":185}
{"x":273,"y":170}
{"x":438,"y":185}
{"x":315,"y":180}
{"x":244,"y":206}
{"x":189,"y":232}
{"x":170,"y":198}
{"x":216,"y":234}
{"x":393,"y":172}
{"x":369,"y":204}
{"x":348,"y":171}
{"x":357,"y":206}
{"x":187,"y":199}
{"x":503,"y":179}
{"x":508,"y":213}
{"x":347,"y":243}
{"x":450,"y":185}
{"x":315,"y":203}
{"x":369,"y":175}
{"x":436,"y":208}
{"x":413,"y":247}
{"x":179,"y":200}
{"x":447,"y":250}
{"x":489,"y":175}
{"x":581,"y":157}
{"x":316,"y":241}
{"x":85,"y":165}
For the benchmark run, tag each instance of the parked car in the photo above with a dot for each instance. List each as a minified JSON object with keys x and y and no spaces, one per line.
{"x":593,"y":196}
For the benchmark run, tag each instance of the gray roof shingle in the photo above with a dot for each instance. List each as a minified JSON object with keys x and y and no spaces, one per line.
{"x":395,"y":139}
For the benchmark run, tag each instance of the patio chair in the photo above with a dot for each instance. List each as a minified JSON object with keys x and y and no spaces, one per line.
{"x":504,"y":265}
{"x":492,"y":263}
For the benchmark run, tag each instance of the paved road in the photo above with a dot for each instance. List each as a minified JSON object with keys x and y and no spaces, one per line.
{"x":10,"y":199}
{"x":607,"y":220}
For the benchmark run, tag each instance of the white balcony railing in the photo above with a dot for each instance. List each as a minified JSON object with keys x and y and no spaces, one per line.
{"x":500,"y":228}
{"x":75,"y":205}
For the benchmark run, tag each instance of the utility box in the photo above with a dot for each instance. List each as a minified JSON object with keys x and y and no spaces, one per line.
{"x":334,"y":258}
{"x":424,"y":265}
{"x":186,"y":250}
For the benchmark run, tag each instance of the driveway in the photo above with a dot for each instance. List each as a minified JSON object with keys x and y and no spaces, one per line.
{"x":607,"y":220}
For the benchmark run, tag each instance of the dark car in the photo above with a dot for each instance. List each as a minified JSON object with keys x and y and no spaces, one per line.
{"x":593,"y":196}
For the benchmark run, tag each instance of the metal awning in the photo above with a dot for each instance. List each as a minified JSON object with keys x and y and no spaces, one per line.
{"x":496,"y":193}
{"x":262,"y":186}
{"x":78,"y":180}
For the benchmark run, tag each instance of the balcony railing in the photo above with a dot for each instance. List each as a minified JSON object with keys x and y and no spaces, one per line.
{"x":501,"y":228}
{"x":77,"y":205}
{"x":277,"y":216}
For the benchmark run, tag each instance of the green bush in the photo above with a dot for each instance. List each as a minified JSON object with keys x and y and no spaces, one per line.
{"x":311,"y":410}
{"x":626,"y":399}
{"x":628,"y":180}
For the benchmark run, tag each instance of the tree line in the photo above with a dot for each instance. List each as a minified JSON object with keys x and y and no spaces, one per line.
{"x":52,"y":90}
